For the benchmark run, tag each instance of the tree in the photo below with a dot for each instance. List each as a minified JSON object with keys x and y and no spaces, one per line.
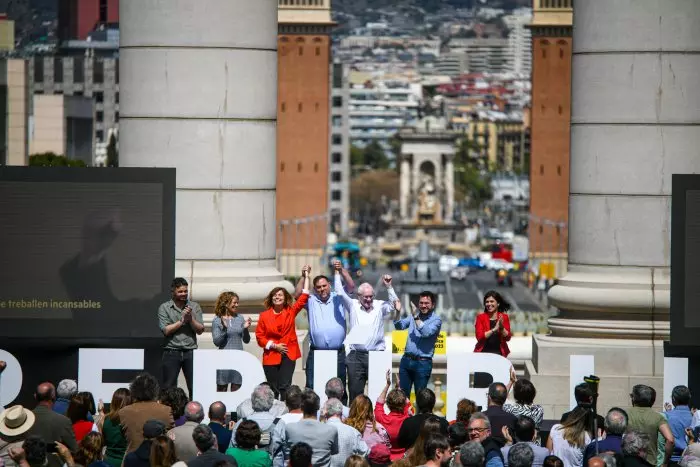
{"x":50,"y":159}
{"x":370,"y":188}
{"x":371,"y":157}
{"x":470,"y":181}
{"x":112,"y":153}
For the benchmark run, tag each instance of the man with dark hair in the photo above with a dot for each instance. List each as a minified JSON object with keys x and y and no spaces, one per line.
{"x":180,"y":321}
{"x":498,"y":417}
{"x":583,"y":393}
{"x":293,"y":401}
{"x":140,"y":457}
{"x":437,"y":451}
{"x":33,"y":452}
{"x":49,"y":425}
{"x":322,"y":438}
{"x":209,"y":454}
{"x":300,"y":455}
{"x":615,"y":428}
{"x":185,"y":447}
{"x":327,"y":314}
{"x":679,"y":418}
{"x":525,"y":432}
{"x":644,"y":419}
{"x":425,"y":403}
{"x":217,"y":423}
{"x":144,"y":394}
{"x":423,"y":326}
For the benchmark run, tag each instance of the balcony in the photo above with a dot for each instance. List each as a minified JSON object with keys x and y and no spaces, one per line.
{"x":304,"y":11}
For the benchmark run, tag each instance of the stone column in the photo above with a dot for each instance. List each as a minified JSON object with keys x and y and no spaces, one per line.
{"x":449,"y":188}
{"x":199,"y":93}
{"x":405,"y":187}
{"x":634,"y":122}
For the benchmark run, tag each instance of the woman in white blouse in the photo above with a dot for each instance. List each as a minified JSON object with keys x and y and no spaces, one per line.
{"x":569,"y":439}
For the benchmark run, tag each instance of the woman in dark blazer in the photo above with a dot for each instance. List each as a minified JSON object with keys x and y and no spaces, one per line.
{"x":276,"y":333}
{"x":493,"y":325}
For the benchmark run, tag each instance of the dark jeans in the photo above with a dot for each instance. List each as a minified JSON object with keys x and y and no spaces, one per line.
{"x":414,"y":373}
{"x":341,"y":371}
{"x":358,"y":371}
{"x":280,"y":376}
{"x":173,"y":361}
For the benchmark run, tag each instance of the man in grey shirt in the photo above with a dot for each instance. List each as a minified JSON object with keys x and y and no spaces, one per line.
{"x":180,"y":320}
{"x":322,"y":438}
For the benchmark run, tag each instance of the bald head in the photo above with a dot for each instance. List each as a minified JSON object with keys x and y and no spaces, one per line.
{"x":45,"y":393}
{"x":217,"y":412}
{"x":194,"y":412}
{"x":596,"y":462}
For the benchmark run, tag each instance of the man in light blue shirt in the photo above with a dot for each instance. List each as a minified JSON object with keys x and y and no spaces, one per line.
{"x":423,"y":327}
{"x":327,"y":314}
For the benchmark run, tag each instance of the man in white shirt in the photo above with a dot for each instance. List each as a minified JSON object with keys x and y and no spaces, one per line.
{"x":366,"y":334}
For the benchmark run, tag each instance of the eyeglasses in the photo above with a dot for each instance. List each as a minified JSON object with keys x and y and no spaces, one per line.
{"x":368,"y":297}
{"x":477,"y":430}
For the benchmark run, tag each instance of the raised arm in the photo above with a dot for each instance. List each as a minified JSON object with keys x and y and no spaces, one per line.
{"x":349,"y":283}
{"x":300,"y":283}
{"x":338,"y":286}
{"x":390,"y":305}
{"x":304,"y":297}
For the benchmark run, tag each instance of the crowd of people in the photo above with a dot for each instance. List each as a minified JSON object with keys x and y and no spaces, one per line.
{"x":155,"y":423}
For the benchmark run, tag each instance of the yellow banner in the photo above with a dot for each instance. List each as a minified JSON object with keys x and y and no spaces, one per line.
{"x":399,"y":338}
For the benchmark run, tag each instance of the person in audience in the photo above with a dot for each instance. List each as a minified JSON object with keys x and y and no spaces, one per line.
{"x":327,"y":323}
{"x":217,"y":423}
{"x":415,"y":455}
{"x":96,"y":412}
{"x":436,"y":451}
{"x":520,"y":455}
{"x":245,"y":408}
{"x":425,"y":402}
{"x":498,"y":418}
{"x":615,"y":428}
{"x":568,"y":440}
{"x":361,"y":418}
{"x":185,"y":447}
{"x":270,"y":425}
{"x":276,"y":333}
{"x":66,"y":389}
{"x":208,"y":454}
{"x":480,"y":430}
{"x":89,"y":452}
{"x":583,"y":393}
{"x":493,"y":326}
{"x":140,"y":457}
{"x":457,"y":435}
{"x":246,"y":451}
{"x":78,"y":411}
{"x":49,"y":425}
{"x":300,"y":455}
{"x":229,"y":331}
{"x":471,"y":454}
{"x":293,"y":402}
{"x":524,"y":393}
{"x":552,"y":461}
{"x":366,"y":318}
{"x":379,"y":456}
{"x":643,"y":419}
{"x":524,"y":432}
{"x":465,"y":409}
{"x":15,"y":423}
{"x":323,"y":438}
{"x":162,"y":452}
{"x":114,"y":439}
{"x":33,"y":453}
{"x":335,"y":389}
{"x":144,"y":393}
{"x":679,"y":418}
{"x":356,"y":461}
{"x":398,"y":412}
{"x":176,"y":399}
{"x":635,"y":449}
{"x":691,"y":455}
{"x":349,"y":439}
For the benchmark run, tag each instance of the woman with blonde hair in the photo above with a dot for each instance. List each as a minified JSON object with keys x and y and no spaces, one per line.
{"x":162,"y":452}
{"x":89,"y":452}
{"x":276,"y":333}
{"x":568,"y":440}
{"x":362,"y":419}
{"x":229,"y":331}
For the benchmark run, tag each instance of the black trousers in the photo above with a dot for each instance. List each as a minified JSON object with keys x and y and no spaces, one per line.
{"x":358,"y":372}
{"x":173,"y":361}
{"x":280,"y":376}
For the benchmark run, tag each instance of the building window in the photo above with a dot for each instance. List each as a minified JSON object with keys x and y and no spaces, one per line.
{"x":99,"y":116}
{"x":544,"y":53}
{"x":336,"y":195}
{"x":561,"y":110}
{"x":301,"y":50}
{"x":336,"y":176}
{"x":317,"y":106}
{"x":116,"y":97}
{"x":99,"y":97}
{"x":299,"y":167}
{"x":57,"y":70}
{"x":561,"y":53}
{"x":38,"y":69}
{"x":99,"y":135}
{"x":318,"y":51}
{"x":300,"y":107}
{"x":559,"y":170}
{"x":541,"y":169}
{"x":337,"y":101}
{"x":78,"y":70}
{"x":541,"y":230}
{"x":315,"y":166}
{"x":337,"y":120}
{"x":98,"y":71}
{"x":116,"y":116}
{"x":337,"y":139}
{"x":336,"y":158}
{"x":282,"y":167}
{"x":283,"y":107}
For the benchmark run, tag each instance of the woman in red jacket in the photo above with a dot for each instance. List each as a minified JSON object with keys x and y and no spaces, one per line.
{"x":277,"y":335}
{"x":493,"y":325}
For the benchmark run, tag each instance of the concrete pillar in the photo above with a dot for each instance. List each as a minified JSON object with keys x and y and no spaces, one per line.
{"x":634,"y":122}
{"x":405,"y":187}
{"x":449,"y":189}
{"x":199,"y":93}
